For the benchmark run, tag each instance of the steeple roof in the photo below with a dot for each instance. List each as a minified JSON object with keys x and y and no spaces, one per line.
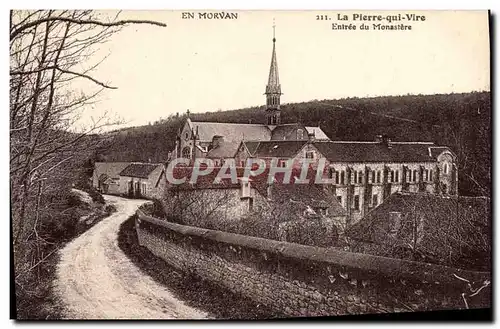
{"x":273,"y":83}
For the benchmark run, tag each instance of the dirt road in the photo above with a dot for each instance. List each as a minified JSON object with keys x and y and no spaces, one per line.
{"x":95,"y":280}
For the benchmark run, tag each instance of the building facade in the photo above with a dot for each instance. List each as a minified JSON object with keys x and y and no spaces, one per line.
{"x":362,"y":173}
{"x":137,"y":180}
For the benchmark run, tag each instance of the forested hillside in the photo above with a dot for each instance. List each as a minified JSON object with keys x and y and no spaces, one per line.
{"x":460,"y":121}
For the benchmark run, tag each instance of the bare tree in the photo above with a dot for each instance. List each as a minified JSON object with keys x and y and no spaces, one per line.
{"x":49,"y":51}
{"x":452,"y":231}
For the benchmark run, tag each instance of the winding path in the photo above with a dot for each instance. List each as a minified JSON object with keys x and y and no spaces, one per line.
{"x":96,"y":280}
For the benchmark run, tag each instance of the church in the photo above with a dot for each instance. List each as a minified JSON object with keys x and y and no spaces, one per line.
{"x":363,"y":173}
{"x":219,"y":141}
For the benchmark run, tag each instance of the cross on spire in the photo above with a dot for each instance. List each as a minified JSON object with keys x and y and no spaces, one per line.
{"x":274,"y":30}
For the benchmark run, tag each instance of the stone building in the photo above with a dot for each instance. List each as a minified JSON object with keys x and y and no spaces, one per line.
{"x":227,"y":205}
{"x":142,"y":180}
{"x":106,"y":176}
{"x":363,"y":173}
{"x":138,"y":180}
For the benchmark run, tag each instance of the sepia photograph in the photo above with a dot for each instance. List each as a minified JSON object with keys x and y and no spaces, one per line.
{"x":250,"y":165}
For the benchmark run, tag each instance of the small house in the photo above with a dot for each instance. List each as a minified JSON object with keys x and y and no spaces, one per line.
{"x":142,"y":180}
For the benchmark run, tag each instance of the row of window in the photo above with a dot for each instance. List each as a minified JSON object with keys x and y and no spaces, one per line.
{"x":355,"y":201}
{"x":376,"y":176}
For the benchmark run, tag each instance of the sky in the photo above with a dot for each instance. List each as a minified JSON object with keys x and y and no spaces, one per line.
{"x":207,"y":65}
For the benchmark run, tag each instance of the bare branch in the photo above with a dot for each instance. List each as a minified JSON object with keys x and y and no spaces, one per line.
{"x":29,"y":25}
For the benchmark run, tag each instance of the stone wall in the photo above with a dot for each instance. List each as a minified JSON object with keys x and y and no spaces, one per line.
{"x":298,"y":280}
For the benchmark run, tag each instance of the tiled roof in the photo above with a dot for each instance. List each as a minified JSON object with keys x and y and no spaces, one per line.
{"x":284,"y":149}
{"x":224,"y":150}
{"x":300,"y":196}
{"x":378,"y":152}
{"x":288,"y":131}
{"x":232,"y":132}
{"x":437,"y":150}
{"x":109,"y":169}
{"x":251,"y":146}
{"x":140,"y":170}
{"x":318,"y":133}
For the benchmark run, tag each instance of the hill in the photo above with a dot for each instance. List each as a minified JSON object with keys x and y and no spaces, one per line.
{"x":460,"y":121}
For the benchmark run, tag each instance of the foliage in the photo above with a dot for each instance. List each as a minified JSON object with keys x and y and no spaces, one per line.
{"x":60,"y":224}
{"x":214,"y":209}
{"x":442,"y":230}
{"x":154,"y":209}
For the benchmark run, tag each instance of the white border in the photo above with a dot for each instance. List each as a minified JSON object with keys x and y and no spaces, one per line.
{"x":195,"y":4}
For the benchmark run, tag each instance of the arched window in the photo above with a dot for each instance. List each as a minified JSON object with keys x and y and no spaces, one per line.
{"x":360,"y":177}
{"x":186,"y":152}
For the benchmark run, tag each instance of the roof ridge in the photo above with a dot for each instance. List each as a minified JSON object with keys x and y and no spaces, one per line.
{"x":231,"y":123}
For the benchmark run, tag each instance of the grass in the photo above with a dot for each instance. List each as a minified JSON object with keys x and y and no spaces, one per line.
{"x":196,"y":292}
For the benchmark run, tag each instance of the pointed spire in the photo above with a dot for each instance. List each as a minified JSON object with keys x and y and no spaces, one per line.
{"x":273,"y":83}
{"x":273,"y":88}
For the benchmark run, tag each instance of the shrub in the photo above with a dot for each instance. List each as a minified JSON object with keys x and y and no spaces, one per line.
{"x":74,"y":200}
{"x":95,"y":195}
{"x":154,"y":209}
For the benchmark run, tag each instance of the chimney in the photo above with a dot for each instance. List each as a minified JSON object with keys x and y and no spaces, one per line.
{"x":269,"y":191}
{"x":384,"y":139}
{"x":311,"y":137}
{"x":217,"y":141}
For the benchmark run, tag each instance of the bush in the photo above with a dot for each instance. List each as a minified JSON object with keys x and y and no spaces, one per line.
{"x":95,"y":195}
{"x":74,"y":200}
{"x":109,"y":209}
{"x":155,"y":209}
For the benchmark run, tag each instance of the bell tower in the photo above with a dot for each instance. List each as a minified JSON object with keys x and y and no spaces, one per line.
{"x":273,"y":89}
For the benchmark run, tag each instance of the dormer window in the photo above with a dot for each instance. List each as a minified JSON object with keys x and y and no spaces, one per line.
{"x":300,"y":134}
{"x":445,"y":168}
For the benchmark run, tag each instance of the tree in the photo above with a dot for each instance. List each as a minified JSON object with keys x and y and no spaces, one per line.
{"x":49,"y":51}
